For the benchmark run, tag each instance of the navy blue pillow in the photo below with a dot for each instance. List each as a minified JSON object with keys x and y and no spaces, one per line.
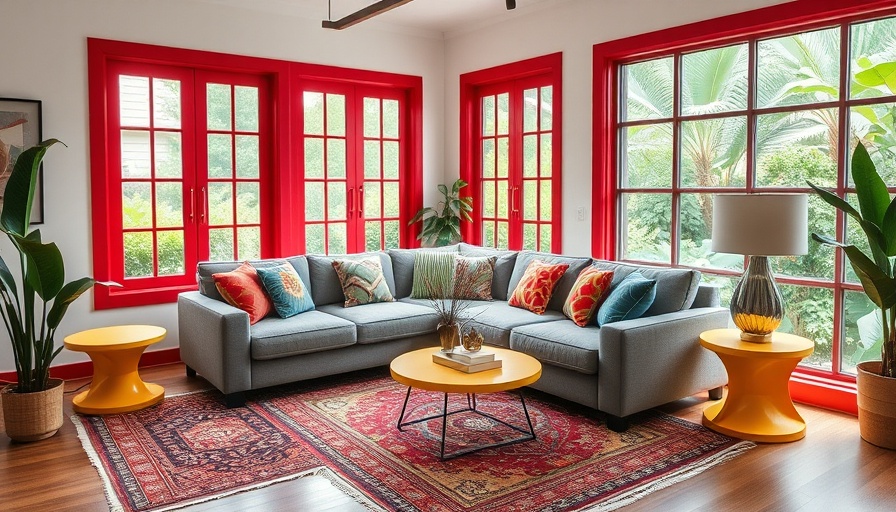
{"x":285,"y":287}
{"x":628,"y":299}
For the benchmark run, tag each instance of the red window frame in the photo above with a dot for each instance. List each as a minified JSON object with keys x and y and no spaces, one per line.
{"x":812,"y":386}
{"x":544,"y":70}
{"x":284,"y":216}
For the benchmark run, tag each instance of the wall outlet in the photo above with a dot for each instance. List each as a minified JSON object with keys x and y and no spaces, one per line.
{"x":580,"y":213}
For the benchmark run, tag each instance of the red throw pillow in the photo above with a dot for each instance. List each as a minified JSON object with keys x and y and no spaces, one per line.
{"x":587,"y":294}
{"x":537,"y":285}
{"x":241,"y":288}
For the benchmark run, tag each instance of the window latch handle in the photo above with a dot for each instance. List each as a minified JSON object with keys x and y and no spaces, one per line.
{"x":351,"y":201}
{"x":192,"y":204}
{"x":204,"y":200}
{"x":513,"y":193}
{"x":360,"y":200}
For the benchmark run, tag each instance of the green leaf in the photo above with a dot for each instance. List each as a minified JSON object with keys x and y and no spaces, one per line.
{"x":18,"y":198}
{"x":443,"y":189}
{"x":889,"y":228}
{"x":66,"y":296}
{"x":45,"y":270}
{"x":881,"y":74}
{"x":835,"y":201}
{"x":870,"y":188}
{"x":8,"y":281}
{"x":879,"y":286}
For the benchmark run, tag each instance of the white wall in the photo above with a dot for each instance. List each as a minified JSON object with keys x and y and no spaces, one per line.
{"x":571,"y":27}
{"x":45,"y":57}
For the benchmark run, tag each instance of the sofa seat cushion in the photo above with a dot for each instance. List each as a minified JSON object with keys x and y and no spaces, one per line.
{"x":312,"y":331}
{"x":383,"y":321}
{"x":496,"y":320}
{"x":561,"y":343}
{"x":473,"y":305}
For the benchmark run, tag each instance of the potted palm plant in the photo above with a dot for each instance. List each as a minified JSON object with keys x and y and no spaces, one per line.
{"x":441,"y":225}
{"x":33,"y":308}
{"x":877,"y":217}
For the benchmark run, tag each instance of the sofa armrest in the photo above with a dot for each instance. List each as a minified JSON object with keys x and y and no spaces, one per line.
{"x":214,"y":341}
{"x":650,"y":361}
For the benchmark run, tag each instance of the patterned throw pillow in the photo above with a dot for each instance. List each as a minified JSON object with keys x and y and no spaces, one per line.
{"x":362,"y":281}
{"x":587,"y":294}
{"x":241,"y":288}
{"x":286,"y":290}
{"x":433,"y":273}
{"x":537,"y":285}
{"x":627,"y":300}
{"x":473,"y":277}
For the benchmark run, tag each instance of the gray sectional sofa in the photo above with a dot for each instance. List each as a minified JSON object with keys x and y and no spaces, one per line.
{"x":620,"y":368}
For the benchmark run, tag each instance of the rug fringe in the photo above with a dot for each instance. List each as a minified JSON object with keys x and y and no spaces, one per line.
{"x":94,"y":457}
{"x":680,"y":475}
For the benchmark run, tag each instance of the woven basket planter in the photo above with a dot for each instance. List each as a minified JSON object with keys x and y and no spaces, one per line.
{"x":32,"y":416}
{"x":877,"y":405}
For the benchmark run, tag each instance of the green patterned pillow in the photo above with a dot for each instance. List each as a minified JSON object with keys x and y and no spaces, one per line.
{"x":473,"y":277}
{"x":433,"y":275}
{"x":362,"y":281}
{"x":286,"y":290}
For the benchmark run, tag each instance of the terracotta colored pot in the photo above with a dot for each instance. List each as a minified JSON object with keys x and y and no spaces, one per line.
{"x":877,"y":405}
{"x":32,"y":416}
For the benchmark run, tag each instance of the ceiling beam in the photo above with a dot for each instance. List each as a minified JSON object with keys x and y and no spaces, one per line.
{"x":366,"y":13}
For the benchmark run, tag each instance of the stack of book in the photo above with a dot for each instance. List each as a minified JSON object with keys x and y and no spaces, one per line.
{"x":468,"y":362}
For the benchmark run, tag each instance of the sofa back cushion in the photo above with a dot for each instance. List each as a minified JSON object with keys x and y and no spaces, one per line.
{"x":504,"y":264}
{"x":564,"y":285}
{"x":403,"y":267}
{"x":326,"y":287}
{"x":205,"y":269}
{"x":675,"y":287}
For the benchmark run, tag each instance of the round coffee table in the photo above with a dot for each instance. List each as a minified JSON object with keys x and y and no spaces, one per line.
{"x":115,"y":351}
{"x":417,"y":370}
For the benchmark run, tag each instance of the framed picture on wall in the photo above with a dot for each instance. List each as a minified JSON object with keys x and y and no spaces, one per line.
{"x":20,"y":129}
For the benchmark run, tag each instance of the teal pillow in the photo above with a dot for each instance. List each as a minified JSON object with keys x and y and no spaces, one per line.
{"x":627,"y":300}
{"x":286,"y":290}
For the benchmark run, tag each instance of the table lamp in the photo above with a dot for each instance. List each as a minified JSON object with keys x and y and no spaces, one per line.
{"x":759,"y":225}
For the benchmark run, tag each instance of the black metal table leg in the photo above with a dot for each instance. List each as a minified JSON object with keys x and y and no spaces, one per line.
{"x":444,"y":425}
{"x":403,"y":408}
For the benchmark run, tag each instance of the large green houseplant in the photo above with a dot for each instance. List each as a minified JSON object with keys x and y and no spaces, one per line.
{"x":876,"y":216}
{"x":33,"y":308}
{"x":441,"y":225}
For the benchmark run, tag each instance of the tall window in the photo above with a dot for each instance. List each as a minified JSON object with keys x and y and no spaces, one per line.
{"x":512,"y":149}
{"x":353,"y":165}
{"x":763,"y":114}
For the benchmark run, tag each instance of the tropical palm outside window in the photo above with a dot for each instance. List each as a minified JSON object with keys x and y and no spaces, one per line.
{"x":758,"y":116}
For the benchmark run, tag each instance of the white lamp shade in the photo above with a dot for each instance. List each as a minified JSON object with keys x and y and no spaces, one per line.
{"x":760,"y":224}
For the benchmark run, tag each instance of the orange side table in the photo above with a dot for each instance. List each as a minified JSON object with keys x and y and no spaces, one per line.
{"x":758,"y":406}
{"x":115,"y":352}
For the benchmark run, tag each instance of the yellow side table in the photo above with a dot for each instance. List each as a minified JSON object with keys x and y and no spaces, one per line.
{"x":758,"y":406}
{"x":115,"y":352}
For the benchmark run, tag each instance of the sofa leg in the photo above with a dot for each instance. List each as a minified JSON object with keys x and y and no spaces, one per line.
{"x":716,"y":393}
{"x":237,"y":399}
{"x":616,"y":423}
{"x":191,"y":372}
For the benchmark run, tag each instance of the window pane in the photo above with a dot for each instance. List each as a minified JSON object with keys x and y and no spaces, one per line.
{"x":530,"y":237}
{"x":646,"y":227}
{"x":314,"y":238}
{"x":795,"y":147}
{"x":138,"y":254}
{"x":488,"y":158}
{"x":335,"y":114}
{"x":488,"y":234}
{"x":393,"y":240}
{"x":136,"y":205}
{"x":248,"y":243}
{"x":390,"y":119}
{"x":335,"y":158}
{"x":502,"y":199}
{"x":390,"y":160}
{"x":863,"y":334}
{"x":503,"y":235}
{"x":726,"y":289}
{"x":247,"y":157}
{"x":168,"y":155}
{"x":166,"y":103}
{"x":220,"y":244}
{"x":545,"y":238}
{"x":875,"y":125}
{"x":530,"y":200}
{"x":246,"y":101}
{"x":373,"y":237}
{"x":872,"y":54}
{"x":799,"y":69}
{"x":648,"y":90}
{"x":819,"y":262}
{"x":133,"y":101}
{"x":169,"y":205}
{"x":136,"y":154}
{"x":372,"y":208}
{"x":855,"y":236}
{"x":547,"y":107}
{"x":646,"y":156}
{"x":314,"y":158}
{"x":547,"y":153}
{"x":530,"y":110}
{"x":171,"y":253}
{"x":713,"y":152}
{"x":545,"y":200}
{"x":371,"y":117}
{"x":391,"y":199}
{"x":336,"y":243}
{"x":248,"y":210}
{"x":503,"y":157}
{"x":714,"y":80}
{"x":488,"y":115}
{"x":336,"y":207}
{"x":809,"y":312}
{"x":220,"y":204}
{"x":371,"y":159}
{"x":503,"y":107}
{"x":488,"y":198}
{"x":530,"y":156}
{"x":314,"y":201}
{"x":220,"y":156}
{"x":695,"y":232}
{"x":219,"y":114}
{"x":313,"y":103}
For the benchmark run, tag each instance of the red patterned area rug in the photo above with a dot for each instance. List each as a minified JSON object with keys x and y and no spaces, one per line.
{"x":190,"y":448}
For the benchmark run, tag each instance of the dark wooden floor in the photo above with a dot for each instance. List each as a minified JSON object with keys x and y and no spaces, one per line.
{"x":832,"y":469}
